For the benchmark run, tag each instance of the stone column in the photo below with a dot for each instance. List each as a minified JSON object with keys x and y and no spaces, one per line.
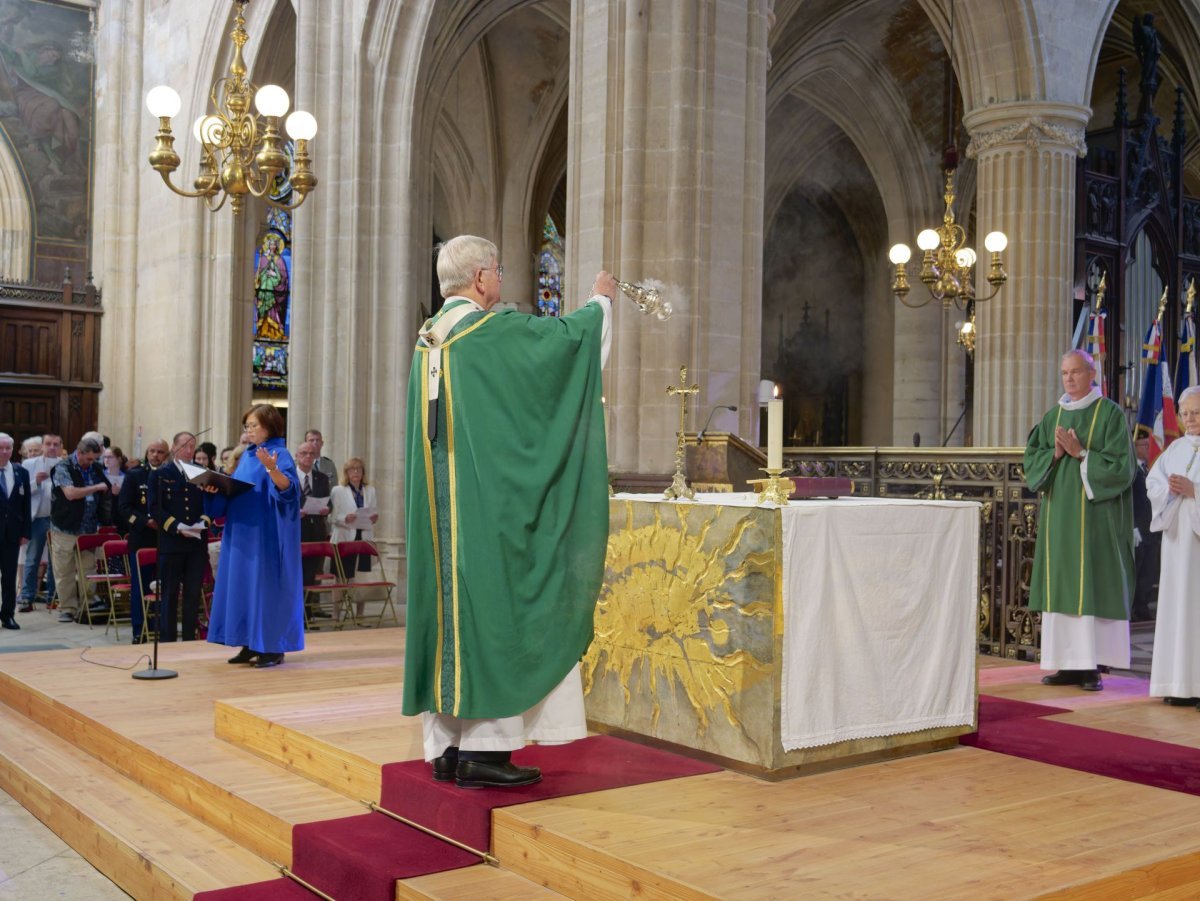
{"x":1026,"y":155}
{"x":665,"y":181}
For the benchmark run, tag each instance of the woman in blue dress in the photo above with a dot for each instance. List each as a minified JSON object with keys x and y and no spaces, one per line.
{"x":258,"y":600}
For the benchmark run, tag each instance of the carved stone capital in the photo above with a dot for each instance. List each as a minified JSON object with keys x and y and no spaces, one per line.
{"x":1031,"y":131}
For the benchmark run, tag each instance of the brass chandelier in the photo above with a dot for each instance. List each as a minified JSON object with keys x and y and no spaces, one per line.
{"x":948,"y":264}
{"x":242,"y":153}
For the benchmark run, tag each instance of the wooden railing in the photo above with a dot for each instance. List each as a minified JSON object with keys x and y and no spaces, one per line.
{"x":1008,"y":520}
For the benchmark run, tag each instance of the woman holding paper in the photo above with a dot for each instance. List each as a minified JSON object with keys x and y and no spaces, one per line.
{"x":258,"y":601}
{"x":354,"y":515}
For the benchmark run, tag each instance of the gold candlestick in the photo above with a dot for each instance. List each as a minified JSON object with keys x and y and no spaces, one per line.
{"x":679,"y":487}
{"x":773,"y":489}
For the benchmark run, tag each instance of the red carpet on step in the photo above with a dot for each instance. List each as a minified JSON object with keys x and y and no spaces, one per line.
{"x":590,"y":765}
{"x":1021,"y":732}
{"x":360,"y":858}
{"x":281,"y":889}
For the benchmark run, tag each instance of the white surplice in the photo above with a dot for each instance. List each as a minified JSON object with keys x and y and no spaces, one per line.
{"x":1175,"y":669}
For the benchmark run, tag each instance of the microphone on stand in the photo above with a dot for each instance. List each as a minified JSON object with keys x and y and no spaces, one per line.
{"x":732,"y":408}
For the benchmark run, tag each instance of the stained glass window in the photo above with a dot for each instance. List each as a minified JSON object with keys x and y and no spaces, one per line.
{"x":273,"y":292}
{"x":550,"y":267}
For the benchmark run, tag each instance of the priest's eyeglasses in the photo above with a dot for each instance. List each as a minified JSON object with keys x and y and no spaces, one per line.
{"x":499,"y":270}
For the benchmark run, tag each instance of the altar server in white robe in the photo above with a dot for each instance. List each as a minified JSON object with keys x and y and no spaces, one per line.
{"x":1171,"y":486}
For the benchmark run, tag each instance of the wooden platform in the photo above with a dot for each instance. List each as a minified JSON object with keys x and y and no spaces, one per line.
{"x":176,"y":787}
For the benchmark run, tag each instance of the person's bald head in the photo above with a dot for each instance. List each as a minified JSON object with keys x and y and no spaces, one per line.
{"x":156,"y":452}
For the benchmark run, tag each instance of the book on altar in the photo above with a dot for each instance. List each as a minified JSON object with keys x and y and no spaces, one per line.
{"x":227,"y":485}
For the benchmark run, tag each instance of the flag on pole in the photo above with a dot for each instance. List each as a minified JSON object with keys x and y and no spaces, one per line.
{"x":1186,"y":374}
{"x":1094,"y":345}
{"x":1156,"y":412}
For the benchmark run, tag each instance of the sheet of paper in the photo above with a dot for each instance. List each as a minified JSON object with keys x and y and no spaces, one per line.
{"x":315,"y":506}
{"x":363,"y":515}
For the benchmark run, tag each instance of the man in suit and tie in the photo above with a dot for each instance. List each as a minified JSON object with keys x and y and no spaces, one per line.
{"x":177,"y":505}
{"x":313,"y":527}
{"x":133,"y":515}
{"x":1147,"y":545}
{"x":15,"y":523}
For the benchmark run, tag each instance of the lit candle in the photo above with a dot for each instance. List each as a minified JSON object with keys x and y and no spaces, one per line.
{"x":775,"y":432}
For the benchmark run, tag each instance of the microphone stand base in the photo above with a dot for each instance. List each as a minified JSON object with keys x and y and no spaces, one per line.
{"x":155,"y":674}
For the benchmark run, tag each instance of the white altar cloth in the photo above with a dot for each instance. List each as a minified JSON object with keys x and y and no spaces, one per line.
{"x":879,"y":600}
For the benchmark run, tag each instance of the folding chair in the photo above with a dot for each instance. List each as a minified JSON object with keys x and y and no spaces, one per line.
{"x":115,"y":583}
{"x":85,"y":544}
{"x":322,"y":594}
{"x":147,"y":556}
{"x":380,"y":583}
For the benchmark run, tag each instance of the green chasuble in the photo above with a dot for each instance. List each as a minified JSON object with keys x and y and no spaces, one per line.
{"x":1083,"y":561}
{"x":506,"y":511}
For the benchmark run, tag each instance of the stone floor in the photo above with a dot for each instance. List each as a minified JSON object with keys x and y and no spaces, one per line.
{"x":35,"y":864}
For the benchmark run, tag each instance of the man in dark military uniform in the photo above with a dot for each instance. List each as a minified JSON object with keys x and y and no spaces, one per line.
{"x":178,"y":506}
{"x":133,"y":515}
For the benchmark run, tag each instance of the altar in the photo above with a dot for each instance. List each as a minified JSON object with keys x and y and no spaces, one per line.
{"x":786,"y":639}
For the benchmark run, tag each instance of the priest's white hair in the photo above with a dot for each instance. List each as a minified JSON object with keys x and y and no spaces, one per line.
{"x":1190,"y":391}
{"x":1083,"y":355}
{"x":460,"y":258}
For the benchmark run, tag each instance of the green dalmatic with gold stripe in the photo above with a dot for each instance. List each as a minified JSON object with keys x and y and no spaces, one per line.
{"x":1083,"y":562}
{"x":506,"y":510}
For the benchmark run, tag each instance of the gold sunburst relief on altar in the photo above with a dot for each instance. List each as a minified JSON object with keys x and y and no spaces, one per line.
{"x":688,"y":610}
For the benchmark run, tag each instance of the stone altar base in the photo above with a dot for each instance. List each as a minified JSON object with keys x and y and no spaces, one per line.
{"x":689,"y":642}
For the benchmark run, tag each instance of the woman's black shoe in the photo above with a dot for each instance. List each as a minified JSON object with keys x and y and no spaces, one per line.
{"x":265,"y":660}
{"x":245,"y":655}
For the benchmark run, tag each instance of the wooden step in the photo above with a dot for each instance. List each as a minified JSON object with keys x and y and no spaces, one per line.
{"x":471,"y":884}
{"x":160,"y":735}
{"x":954,"y":824}
{"x":339,"y":738}
{"x":143,"y":844}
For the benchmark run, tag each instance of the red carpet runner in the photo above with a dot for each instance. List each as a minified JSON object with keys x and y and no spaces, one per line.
{"x":360,"y":858}
{"x":1018,"y":729}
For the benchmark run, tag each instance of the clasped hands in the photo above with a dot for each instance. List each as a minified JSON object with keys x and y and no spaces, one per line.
{"x":1181,"y":485}
{"x":1066,"y":442}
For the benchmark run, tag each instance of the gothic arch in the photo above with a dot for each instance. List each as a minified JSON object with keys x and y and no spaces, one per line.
{"x":16,"y":218}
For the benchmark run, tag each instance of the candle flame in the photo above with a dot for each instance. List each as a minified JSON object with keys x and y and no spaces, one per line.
{"x":776,"y":393}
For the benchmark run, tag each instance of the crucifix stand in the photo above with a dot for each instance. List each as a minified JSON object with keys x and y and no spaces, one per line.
{"x":679,"y":489}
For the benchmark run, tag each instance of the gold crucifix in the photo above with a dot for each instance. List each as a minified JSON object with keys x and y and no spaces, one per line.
{"x":679,"y":488}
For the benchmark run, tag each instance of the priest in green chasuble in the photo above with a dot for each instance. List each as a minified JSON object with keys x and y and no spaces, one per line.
{"x":506,"y":512}
{"x":1080,"y":459}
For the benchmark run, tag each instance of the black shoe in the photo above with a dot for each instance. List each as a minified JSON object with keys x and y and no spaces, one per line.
{"x":1180,"y":702}
{"x":25,"y":608}
{"x":1091,"y":682}
{"x":245,"y":655}
{"x":478,"y":774}
{"x":265,"y":660}
{"x":445,"y":766}
{"x":9,"y":623}
{"x":321,"y":614}
{"x":1064,"y":677}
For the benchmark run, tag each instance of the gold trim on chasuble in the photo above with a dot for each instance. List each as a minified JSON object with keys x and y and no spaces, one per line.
{"x":431,"y":490}
{"x":1082,"y":510}
{"x":453,"y":518}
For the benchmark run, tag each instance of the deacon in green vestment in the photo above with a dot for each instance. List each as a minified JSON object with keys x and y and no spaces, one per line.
{"x":506,"y":505}
{"x":1080,"y":459}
